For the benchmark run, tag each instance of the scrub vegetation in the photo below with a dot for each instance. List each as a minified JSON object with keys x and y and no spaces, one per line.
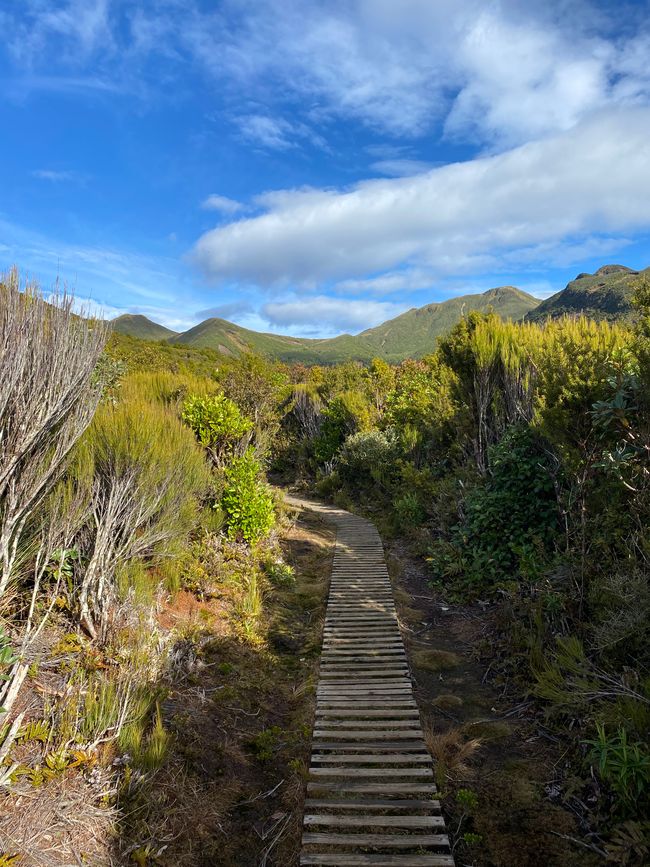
{"x":160,"y":609}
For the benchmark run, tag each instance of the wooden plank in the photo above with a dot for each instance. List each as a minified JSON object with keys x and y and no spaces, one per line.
{"x":372,"y":788}
{"x":373,"y":758}
{"x":359,"y":772}
{"x":384,"y":841}
{"x":345,"y":859}
{"x":321,"y":819}
{"x":371,"y":804}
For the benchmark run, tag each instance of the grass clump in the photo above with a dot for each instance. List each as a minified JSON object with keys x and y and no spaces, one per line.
{"x":435,"y":660}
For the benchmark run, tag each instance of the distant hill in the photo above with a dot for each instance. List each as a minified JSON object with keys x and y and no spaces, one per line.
{"x":603,"y":295}
{"x":410,"y":335}
{"x":136,"y":325}
{"x":414,"y":333}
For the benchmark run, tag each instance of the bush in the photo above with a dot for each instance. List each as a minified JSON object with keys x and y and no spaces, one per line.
{"x":145,"y":478}
{"x":247,"y":501}
{"x":512,"y":514}
{"x":346,"y":414}
{"x":367,"y":456}
{"x":218,"y":424}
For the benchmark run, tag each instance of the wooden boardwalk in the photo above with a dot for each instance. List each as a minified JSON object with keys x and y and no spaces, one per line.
{"x":370,"y":795}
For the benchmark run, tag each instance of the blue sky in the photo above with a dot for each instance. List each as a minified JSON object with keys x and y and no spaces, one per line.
{"x":316,"y":167}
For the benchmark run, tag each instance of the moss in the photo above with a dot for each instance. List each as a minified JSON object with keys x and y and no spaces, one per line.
{"x":447,"y":701}
{"x":435,"y":660}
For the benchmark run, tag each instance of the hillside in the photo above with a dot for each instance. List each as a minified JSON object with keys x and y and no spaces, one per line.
{"x":603,"y":295}
{"x":414,"y":333}
{"x":410,"y":335}
{"x":136,"y":325}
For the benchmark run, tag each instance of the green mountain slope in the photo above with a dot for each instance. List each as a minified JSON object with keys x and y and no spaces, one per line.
{"x":410,"y":335}
{"x":414,"y":333}
{"x":603,"y":295}
{"x":136,"y":325}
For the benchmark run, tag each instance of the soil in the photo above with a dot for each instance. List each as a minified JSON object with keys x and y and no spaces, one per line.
{"x":509,"y":780}
{"x":231,"y":791}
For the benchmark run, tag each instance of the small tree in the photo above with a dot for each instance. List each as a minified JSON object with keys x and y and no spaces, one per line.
{"x":219,"y":426}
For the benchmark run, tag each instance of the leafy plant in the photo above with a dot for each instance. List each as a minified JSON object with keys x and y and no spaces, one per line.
{"x":218,"y":425}
{"x":624,"y":765}
{"x":246,"y":500}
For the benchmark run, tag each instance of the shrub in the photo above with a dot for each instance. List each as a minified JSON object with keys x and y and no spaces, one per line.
{"x":624,"y":766}
{"x":346,"y":414}
{"x":247,"y":501}
{"x":218,"y":424}
{"x":510,"y":514}
{"x":408,"y":511}
{"x":145,"y":478}
{"x":367,"y":456}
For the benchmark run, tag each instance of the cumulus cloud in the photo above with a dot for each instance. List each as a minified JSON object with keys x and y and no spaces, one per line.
{"x":215,"y":202}
{"x":593,"y":179}
{"x":330,"y":314}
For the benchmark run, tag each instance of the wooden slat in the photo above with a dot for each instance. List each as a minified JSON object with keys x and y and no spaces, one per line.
{"x":321,"y":819}
{"x":370,"y":770}
{"x":344,"y":859}
{"x":384,"y":841}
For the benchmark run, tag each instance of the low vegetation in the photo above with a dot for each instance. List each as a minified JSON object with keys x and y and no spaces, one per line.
{"x":159,"y":612}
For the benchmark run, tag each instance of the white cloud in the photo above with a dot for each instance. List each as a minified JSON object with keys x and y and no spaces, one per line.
{"x":400,"y":168}
{"x":392,"y":282}
{"x":55,"y":176}
{"x":593,"y":179}
{"x":276,"y":133}
{"x":215,"y":202}
{"x":500,"y":72}
{"x":327,"y":314}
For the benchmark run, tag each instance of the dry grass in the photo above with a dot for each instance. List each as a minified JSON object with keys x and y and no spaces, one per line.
{"x":451,"y":753}
{"x":62,"y":823}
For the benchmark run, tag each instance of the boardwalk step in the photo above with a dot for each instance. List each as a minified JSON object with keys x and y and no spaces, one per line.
{"x":371,"y":783}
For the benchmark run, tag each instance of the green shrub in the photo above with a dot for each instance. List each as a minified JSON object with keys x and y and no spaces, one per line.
{"x":218,"y":424}
{"x":247,"y":501}
{"x":408,"y":511}
{"x":367,"y":457}
{"x":346,"y":414}
{"x":510,"y":515}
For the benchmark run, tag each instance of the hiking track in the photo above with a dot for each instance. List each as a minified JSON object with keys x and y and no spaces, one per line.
{"x":371,"y":791}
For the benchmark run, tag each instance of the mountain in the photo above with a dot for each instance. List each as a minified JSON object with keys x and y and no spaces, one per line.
{"x":410,"y":335}
{"x":414,"y":333}
{"x":603,"y":295}
{"x":136,"y":325}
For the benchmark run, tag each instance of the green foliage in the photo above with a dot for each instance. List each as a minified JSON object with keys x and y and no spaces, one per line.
{"x":246,"y":500}
{"x":408,"y":511}
{"x":265,"y":743}
{"x":625,"y":766}
{"x":346,"y":414}
{"x":367,"y":457}
{"x":511,"y":514}
{"x":217,"y":423}
{"x":279,"y":573}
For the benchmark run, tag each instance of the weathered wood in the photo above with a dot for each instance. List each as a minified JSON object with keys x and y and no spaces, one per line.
{"x":385,"y":841}
{"x":344,"y":859}
{"x":370,"y":770}
{"x":390,"y":804}
{"x":321,"y":819}
{"x":373,"y":759}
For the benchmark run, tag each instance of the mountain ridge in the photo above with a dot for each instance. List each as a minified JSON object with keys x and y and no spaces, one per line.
{"x":412,"y":334}
{"x":605,"y":294}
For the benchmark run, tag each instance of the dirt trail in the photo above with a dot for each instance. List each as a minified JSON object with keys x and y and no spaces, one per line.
{"x":488,"y":747}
